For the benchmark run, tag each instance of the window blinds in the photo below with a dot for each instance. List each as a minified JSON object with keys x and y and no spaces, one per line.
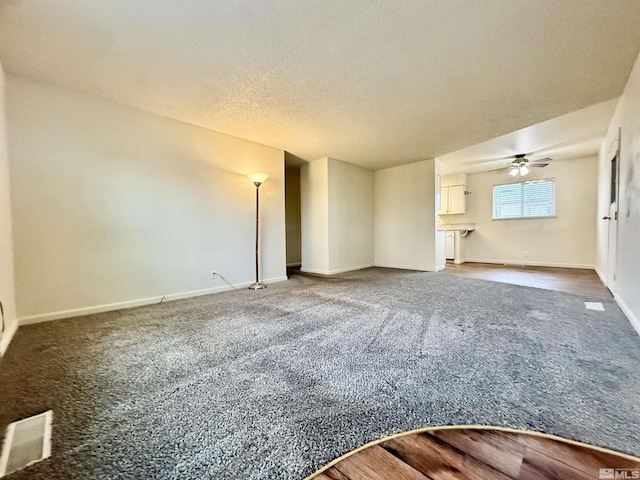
{"x":535,"y":198}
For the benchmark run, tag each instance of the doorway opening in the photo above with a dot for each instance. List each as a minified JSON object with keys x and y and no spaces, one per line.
{"x":292,"y":207}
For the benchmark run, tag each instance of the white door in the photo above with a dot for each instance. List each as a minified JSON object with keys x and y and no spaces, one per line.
{"x":612,"y":218}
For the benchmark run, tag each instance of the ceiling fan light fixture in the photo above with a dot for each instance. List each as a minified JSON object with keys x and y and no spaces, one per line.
{"x":521,"y":166}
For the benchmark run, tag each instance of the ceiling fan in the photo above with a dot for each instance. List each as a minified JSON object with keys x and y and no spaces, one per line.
{"x":520,"y":165}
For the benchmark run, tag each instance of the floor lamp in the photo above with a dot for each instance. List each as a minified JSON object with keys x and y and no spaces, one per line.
{"x":258,"y":179}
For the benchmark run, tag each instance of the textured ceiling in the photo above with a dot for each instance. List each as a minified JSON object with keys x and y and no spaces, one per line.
{"x":375,"y":83}
{"x":576,"y":134}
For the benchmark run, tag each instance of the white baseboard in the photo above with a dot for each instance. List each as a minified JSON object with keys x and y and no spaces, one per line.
{"x":314,"y":270}
{"x":77,"y":312}
{"x":351,"y":269}
{"x":284,"y":278}
{"x":603,"y":279}
{"x":633,"y":319}
{"x":441,"y":267}
{"x":7,"y":336}
{"x":334,"y":272}
{"x":403,"y":267}
{"x":528,"y":263}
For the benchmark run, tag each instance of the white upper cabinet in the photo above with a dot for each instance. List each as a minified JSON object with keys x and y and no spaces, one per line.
{"x":452,"y":200}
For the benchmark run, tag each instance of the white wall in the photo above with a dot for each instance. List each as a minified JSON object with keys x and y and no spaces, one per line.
{"x":454,"y":179}
{"x":114,"y":207}
{"x":566,"y":240}
{"x":292,"y":215}
{"x":7,"y":287}
{"x":337,"y":217}
{"x":314,"y":202}
{"x":405,"y":216}
{"x":350,"y":217}
{"x":441,"y":254}
{"x":626,"y":117}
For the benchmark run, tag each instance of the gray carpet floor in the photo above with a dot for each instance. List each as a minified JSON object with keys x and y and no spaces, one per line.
{"x":274,"y":384}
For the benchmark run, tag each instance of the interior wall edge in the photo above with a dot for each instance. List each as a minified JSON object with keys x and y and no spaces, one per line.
{"x":7,"y":336}
{"x":7,"y":244}
{"x":79,"y":312}
{"x":603,"y":277}
{"x":339,"y":270}
{"x":633,"y":319}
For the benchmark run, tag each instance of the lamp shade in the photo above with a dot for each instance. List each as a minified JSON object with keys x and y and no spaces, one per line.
{"x":258,"y":178}
{"x":524,"y":170}
{"x":514,"y":171}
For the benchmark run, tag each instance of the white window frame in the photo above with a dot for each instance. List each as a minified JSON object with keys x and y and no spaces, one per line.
{"x":522,"y":214}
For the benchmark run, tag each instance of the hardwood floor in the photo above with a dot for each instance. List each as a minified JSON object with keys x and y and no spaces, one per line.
{"x":478,"y":453}
{"x":573,"y":280}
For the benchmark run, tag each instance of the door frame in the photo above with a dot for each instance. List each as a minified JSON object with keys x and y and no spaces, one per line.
{"x":612,"y":216}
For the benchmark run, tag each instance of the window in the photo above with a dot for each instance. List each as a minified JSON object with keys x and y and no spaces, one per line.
{"x":614,"y":181}
{"x":536,"y":198}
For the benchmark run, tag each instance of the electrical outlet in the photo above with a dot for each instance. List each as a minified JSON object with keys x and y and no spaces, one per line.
{"x":213,"y":274}
{"x":526,"y":253}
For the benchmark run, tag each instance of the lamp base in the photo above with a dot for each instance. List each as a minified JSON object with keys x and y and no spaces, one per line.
{"x":257,"y":286}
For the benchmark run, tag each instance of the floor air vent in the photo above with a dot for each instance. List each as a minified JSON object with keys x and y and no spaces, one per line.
{"x":27,"y":441}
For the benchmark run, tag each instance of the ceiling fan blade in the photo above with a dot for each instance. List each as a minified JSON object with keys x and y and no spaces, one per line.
{"x":538,"y":165}
{"x":498,"y":169}
{"x":542,"y":160}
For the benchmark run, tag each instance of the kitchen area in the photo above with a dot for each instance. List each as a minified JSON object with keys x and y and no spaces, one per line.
{"x":452,"y":204}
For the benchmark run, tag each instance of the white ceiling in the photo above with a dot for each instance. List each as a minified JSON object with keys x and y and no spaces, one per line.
{"x":375,"y":83}
{"x":574,"y":135}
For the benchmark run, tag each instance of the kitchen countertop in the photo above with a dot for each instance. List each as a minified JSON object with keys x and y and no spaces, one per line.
{"x":457,"y":226}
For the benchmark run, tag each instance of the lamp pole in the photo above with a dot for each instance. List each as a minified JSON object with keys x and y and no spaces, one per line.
{"x":258,"y":179}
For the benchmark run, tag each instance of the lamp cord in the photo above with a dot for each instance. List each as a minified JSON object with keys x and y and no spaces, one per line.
{"x":225,"y":281}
